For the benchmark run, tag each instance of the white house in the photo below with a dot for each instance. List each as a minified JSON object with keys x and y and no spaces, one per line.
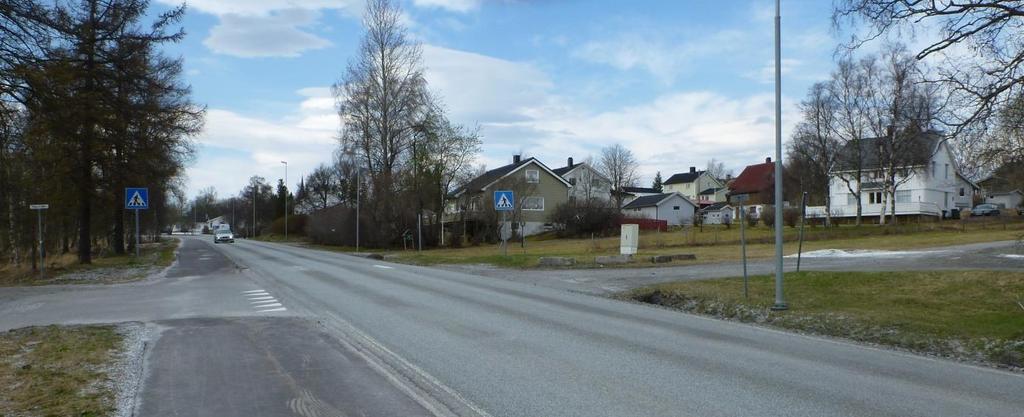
{"x":694,"y":183}
{"x":718,"y":213}
{"x":671,"y":207}
{"x":586,"y":181}
{"x":929,"y":185}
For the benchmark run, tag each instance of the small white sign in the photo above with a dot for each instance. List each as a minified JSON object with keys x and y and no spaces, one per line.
{"x":39,"y":206}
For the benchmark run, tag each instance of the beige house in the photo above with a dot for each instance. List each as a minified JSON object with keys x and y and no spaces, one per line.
{"x":695,"y":185}
{"x":538,"y":190}
{"x":587,"y":182}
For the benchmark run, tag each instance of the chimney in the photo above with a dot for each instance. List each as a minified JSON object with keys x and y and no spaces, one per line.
{"x":693,"y":170}
{"x":515,"y":159}
{"x":570,"y":162}
{"x":768,"y":160}
{"x":728,"y":177}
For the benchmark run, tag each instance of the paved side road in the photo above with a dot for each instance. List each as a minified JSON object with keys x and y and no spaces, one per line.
{"x":220,"y":345}
{"x":991,"y":256}
{"x":513,"y":349}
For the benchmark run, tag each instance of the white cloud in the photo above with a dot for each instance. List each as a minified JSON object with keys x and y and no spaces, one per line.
{"x":460,"y":6}
{"x":267,"y":28}
{"x":278,"y":34}
{"x":515,"y":104}
{"x":665,"y":59}
{"x":236,"y":146}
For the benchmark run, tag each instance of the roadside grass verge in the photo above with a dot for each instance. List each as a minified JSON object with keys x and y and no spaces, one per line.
{"x":718,"y":244}
{"x":57,"y":371}
{"x":966,"y":315}
{"x":106,"y":268}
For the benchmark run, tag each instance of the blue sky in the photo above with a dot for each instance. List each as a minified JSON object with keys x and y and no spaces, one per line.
{"x":678,"y":82}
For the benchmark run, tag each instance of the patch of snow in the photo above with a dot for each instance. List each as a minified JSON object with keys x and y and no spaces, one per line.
{"x":863,"y":253}
{"x":1011,"y":256}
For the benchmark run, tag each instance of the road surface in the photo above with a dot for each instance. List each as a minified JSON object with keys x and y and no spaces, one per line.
{"x":365,"y":337}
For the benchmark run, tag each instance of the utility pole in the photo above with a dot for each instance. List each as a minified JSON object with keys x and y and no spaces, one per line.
{"x":357,"y":208}
{"x":285,"y":200}
{"x":255,"y":190}
{"x":780,"y":300}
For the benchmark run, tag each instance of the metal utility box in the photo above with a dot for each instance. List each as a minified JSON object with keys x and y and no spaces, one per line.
{"x":630,"y":239}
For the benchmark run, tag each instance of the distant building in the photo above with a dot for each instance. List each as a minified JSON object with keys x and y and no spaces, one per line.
{"x":756,"y":184}
{"x":587,"y":182}
{"x":693,"y":184}
{"x":672,"y":207}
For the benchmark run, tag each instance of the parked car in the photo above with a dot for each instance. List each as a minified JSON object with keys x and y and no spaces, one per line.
{"x":223,"y":235}
{"x":985,"y":210}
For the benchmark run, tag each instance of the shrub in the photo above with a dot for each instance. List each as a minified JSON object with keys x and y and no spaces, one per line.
{"x":582,"y":220}
{"x":791,"y":217}
{"x":751,"y":219}
{"x":296,"y":225}
{"x":768,"y":216}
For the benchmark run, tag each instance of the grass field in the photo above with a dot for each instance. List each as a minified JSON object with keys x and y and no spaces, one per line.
{"x":56,"y":371}
{"x":975,"y":315}
{"x":718,"y":244}
{"x":151,"y":254}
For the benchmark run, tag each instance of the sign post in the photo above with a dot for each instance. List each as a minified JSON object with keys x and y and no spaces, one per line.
{"x":39,"y":230}
{"x":136,"y":199}
{"x":504,"y":201}
{"x":742,"y":198}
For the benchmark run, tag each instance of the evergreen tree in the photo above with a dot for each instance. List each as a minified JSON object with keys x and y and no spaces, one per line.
{"x":657,"y":184}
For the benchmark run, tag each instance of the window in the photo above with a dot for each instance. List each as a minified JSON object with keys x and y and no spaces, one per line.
{"x":875,"y":197}
{"x":961,"y":191}
{"x":933,"y":169}
{"x":533,"y":203}
{"x":532,"y":176}
{"x":595,"y":182}
{"x":572,"y":181}
{"x":851,"y":199}
{"x":947,"y":171}
{"x":902,"y":196}
{"x":675,"y":208}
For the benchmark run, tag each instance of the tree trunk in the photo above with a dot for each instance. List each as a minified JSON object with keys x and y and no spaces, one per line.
{"x":118,"y":228}
{"x":860,"y":204}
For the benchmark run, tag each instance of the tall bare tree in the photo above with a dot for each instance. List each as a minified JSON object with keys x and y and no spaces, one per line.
{"x":849,"y":88}
{"x":620,"y":166}
{"x":814,"y":142}
{"x":980,"y":84}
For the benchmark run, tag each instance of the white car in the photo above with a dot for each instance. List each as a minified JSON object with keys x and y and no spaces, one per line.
{"x":223,"y":235}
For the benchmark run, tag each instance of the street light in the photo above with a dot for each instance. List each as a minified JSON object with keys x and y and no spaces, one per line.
{"x":780,"y":300}
{"x":285,"y":200}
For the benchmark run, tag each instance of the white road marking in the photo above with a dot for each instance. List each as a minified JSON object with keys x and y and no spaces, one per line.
{"x":383,"y":267}
{"x":257,"y":294}
{"x":261,"y":298}
{"x":272,"y":310}
{"x":252,"y":291}
{"x":257,"y":303}
{"x":268,"y":305}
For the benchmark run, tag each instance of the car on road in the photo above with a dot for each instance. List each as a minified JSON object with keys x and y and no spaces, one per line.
{"x":985,"y":210}
{"x":223,"y":235}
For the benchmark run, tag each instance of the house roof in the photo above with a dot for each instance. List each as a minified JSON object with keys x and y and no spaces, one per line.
{"x":561,"y":172}
{"x":711,"y":191}
{"x":716,"y":206}
{"x":683,"y":178}
{"x":653,"y":200}
{"x":490,"y":177}
{"x":922,"y":148}
{"x":639,"y":190}
{"x":754,"y":179}
{"x":1006,"y":192}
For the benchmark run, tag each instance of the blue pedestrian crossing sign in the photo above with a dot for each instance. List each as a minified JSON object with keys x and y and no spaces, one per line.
{"x":136,"y":198}
{"x":504,"y":201}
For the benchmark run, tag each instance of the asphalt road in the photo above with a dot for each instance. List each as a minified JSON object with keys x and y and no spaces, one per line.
{"x":221,"y":346}
{"x":485,"y":346}
{"x":1000,"y":256}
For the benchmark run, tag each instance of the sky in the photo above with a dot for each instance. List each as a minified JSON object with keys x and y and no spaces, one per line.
{"x":677,"y":82}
